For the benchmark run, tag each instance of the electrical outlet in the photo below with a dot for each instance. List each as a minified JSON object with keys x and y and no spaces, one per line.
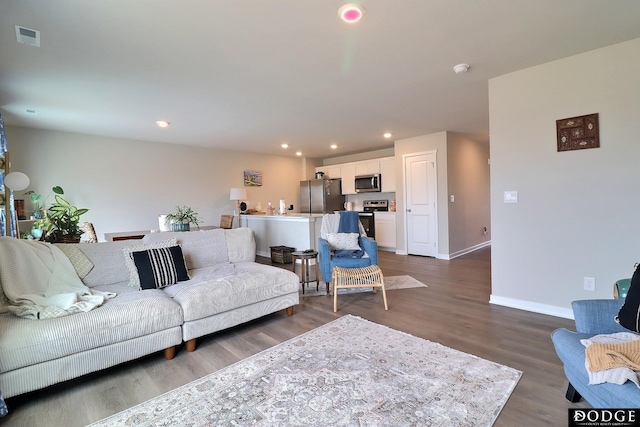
{"x":590,"y":284}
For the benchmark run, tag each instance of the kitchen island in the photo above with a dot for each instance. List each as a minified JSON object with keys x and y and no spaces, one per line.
{"x":296,"y":230}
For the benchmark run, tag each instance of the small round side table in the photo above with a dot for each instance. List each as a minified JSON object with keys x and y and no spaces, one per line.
{"x":304,"y":258}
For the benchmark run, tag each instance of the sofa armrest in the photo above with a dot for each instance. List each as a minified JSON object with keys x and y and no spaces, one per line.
{"x":596,"y":316}
{"x":370,"y":246}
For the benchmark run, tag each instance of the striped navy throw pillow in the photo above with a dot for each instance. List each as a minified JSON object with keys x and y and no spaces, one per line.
{"x":160,"y":267}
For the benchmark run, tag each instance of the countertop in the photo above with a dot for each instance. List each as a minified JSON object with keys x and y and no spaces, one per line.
{"x":293,"y":215}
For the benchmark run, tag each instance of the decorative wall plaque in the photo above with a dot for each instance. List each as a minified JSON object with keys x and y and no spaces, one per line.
{"x":577,"y":133}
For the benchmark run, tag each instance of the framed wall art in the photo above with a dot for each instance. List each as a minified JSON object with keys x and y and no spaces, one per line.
{"x":252,"y":179}
{"x":577,"y":133}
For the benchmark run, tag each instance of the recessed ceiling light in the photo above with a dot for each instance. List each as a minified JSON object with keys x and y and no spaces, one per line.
{"x":298,"y":153}
{"x":334,"y":146}
{"x":461,"y":68}
{"x":351,"y":12}
{"x":284,"y":145}
{"x":162,"y":123}
{"x":387,"y":135}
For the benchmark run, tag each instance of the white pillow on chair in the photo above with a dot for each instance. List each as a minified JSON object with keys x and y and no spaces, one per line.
{"x":343,"y":241}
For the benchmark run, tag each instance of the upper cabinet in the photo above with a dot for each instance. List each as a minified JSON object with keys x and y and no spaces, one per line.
{"x":385,"y":166}
{"x":388,"y":173}
{"x":367,"y":167}
{"x":333,"y":172}
{"x":348,"y":174}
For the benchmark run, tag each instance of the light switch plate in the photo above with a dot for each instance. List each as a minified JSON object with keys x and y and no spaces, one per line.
{"x":511,"y":197}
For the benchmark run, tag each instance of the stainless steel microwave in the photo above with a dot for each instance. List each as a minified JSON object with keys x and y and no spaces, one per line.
{"x":368,"y":183}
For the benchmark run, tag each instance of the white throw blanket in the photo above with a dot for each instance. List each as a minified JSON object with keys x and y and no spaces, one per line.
{"x":330,"y":223}
{"x":39,"y":282}
{"x":614,"y":375}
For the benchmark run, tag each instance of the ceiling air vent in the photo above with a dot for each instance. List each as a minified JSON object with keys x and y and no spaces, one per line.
{"x":28,"y":36}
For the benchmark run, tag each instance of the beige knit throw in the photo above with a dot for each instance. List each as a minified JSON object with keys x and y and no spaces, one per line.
{"x":608,"y":356}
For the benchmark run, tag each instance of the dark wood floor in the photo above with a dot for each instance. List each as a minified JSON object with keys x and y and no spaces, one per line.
{"x":453,"y":311}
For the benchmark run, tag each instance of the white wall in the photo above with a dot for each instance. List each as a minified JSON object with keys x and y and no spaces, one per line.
{"x":578,"y":211}
{"x":432,"y":142}
{"x":468,"y":181}
{"x":126,"y":184}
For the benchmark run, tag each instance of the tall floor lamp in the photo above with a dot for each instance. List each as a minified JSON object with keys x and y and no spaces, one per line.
{"x":238,"y":194}
{"x":16,"y":181}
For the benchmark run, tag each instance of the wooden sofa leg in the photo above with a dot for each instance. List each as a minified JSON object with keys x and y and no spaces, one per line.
{"x":190,"y":345}
{"x":290,"y":311}
{"x":169,"y":353}
{"x":572,"y":394}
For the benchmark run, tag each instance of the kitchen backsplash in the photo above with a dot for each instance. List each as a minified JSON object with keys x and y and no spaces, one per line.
{"x":358,"y":199}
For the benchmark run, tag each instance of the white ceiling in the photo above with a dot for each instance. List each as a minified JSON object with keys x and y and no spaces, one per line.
{"x":252,"y":74}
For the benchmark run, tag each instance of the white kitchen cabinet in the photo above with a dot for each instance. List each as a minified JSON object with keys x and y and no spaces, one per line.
{"x":334,"y":172}
{"x":385,"y":223}
{"x":367,"y":167}
{"x":348,"y":172}
{"x":388,"y":174}
{"x":348,"y":175}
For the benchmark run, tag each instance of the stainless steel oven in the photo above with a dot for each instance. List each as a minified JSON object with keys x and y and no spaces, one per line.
{"x":367,"y":216}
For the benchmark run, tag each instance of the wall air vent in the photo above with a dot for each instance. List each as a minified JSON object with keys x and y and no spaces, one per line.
{"x":28,"y":36}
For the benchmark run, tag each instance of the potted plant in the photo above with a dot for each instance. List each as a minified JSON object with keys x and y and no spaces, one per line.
{"x":64,"y":219}
{"x":182,"y":218}
{"x":40,"y":228}
{"x":39,"y":205}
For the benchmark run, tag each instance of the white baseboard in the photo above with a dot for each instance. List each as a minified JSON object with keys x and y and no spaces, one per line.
{"x":470,"y":249}
{"x":401,"y":252}
{"x":535,"y":307}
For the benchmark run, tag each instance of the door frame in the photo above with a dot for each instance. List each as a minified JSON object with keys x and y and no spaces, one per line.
{"x":404,"y":185}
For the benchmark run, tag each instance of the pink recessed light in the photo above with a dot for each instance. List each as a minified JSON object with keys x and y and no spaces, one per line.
{"x":351,"y":12}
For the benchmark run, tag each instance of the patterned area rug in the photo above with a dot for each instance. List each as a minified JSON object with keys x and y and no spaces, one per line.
{"x":350,"y":372}
{"x":390,"y":283}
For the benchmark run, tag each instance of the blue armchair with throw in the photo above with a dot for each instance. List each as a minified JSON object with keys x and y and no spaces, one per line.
{"x":592,"y":317}
{"x":329,"y":258}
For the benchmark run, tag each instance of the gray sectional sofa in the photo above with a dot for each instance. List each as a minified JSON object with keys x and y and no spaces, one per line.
{"x":226,"y":288}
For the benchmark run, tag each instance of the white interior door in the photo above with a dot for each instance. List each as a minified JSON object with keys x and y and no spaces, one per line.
{"x":421,"y":204}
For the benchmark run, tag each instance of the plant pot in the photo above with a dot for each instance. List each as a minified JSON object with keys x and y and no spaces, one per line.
{"x":36,"y":233}
{"x":68,"y":239}
{"x":180,"y":226}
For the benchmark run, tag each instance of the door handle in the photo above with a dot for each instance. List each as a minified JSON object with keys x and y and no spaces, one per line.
{"x":408,"y":210}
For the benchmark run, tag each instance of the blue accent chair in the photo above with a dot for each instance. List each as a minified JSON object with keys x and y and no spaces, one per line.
{"x":593,"y":317}
{"x":327,"y":261}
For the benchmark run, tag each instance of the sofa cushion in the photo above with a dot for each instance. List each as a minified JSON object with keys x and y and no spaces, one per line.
{"x":129,"y":315}
{"x":134,"y":278}
{"x":212,"y":291}
{"x":629,"y":314}
{"x":108,"y":263}
{"x":160,"y":267}
{"x":241,"y":244}
{"x":202,"y":248}
{"x":79,"y":260}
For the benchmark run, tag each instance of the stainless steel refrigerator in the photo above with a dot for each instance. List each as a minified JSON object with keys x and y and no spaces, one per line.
{"x":320,"y":196}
